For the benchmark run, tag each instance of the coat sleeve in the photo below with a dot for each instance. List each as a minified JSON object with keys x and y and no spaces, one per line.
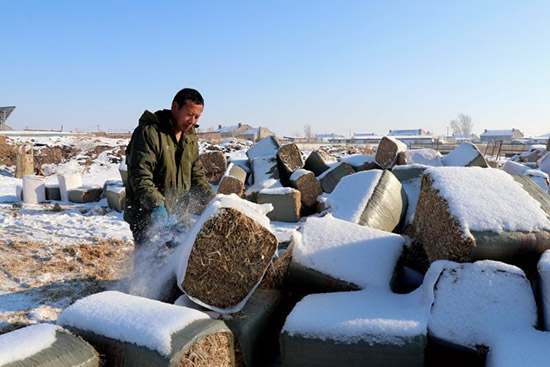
{"x":141,"y":165}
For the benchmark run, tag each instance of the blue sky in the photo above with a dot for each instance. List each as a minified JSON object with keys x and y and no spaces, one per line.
{"x":339,"y":66}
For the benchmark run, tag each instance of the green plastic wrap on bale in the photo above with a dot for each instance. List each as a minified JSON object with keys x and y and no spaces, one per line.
{"x":387,"y":205}
{"x":479,"y":161}
{"x":306,"y":281}
{"x":409,"y":173}
{"x":117,"y":353}
{"x":297,"y":351}
{"x":257,"y":326}
{"x":67,"y":351}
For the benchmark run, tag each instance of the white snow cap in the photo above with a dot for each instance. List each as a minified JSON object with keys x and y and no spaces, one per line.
{"x":298,"y":173}
{"x":486,"y":199}
{"x":278,"y":191}
{"x":520,"y":347}
{"x":347,"y":251}
{"x":351,"y":195}
{"x":474,"y":303}
{"x":428,"y":157}
{"x":460,"y":156}
{"x":358,"y":159}
{"x":26,"y":342}
{"x":131,"y":319}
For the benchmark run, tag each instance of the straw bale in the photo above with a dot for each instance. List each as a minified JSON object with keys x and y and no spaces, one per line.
{"x":367,"y":167}
{"x":290,"y":158}
{"x":233,"y":181}
{"x":330,"y":179}
{"x":213,"y":350}
{"x":387,"y":152}
{"x":214,"y":164}
{"x":276,"y":273}
{"x":286,"y":206}
{"x":440,"y":233}
{"x":316,"y":162}
{"x":268,"y":146}
{"x":229,"y":257}
{"x":309,"y":188}
{"x":85,"y":195}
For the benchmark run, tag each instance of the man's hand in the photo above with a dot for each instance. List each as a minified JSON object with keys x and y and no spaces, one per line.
{"x":160,"y":217}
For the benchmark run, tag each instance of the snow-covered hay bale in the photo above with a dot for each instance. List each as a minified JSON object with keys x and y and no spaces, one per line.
{"x":412,"y":190}
{"x":373,"y":327}
{"x":85,"y":194}
{"x":268,"y":146}
{"x":286,"y":203}
{"x":330,"y":254}
{"x":330,"y":178}
{"x":388,"y":149}
{"x":538,"y":176}
{"x":360,"y":162}
{"x":372,"y":198}
{"x":409,"y":172}
{"x":116,"y":197}
{"x":53,"y":192}
{"x":467,"y":214}
{"x":476,"y":303}
{"x":427,"y":157}
{"x":233,"y":181}
{"x":256,"y":328}
{"x":265,"y":174}
{"x":465,"y":155}
{"x":134,"y":331}
{"x":68,"y":182}
{"x":317,"y":161}
{"x":290,"y":158}
{"x":214,"y":164}
{"x":45,"y":345}
{"x":307,"y":184}
{"x":226,"y":253}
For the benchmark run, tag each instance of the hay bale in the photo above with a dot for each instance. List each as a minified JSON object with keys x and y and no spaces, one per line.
{"x":538,"y":176}
{"x":468,"y":214}
{"x":53,"y":192}
{"x":275,"y":276}
{"x":317,"y":162}
{"x":330,"y":254}
{"x":465,"y":155}
{"x":426,"y":157}
{"x":256,"y":328}
{"x":290,"y":158}
{"x":233,"y":181}
{"x":116,"y":197}
{"x":372,"y":198}
{"x":286,"y":203}
{"x":134,"y":331}
{"x":45,"y":345}
{"x":308,"y":186}
{"x":412,"y":190}
{"x":388,"y":149}
{"x":360,"y":162}
{"x":330,"y":178}
{"x":473,"y":304}
{"x":410,"y":172}
{"x":268,"y":146}
{"x":265,"y":173}
{"x":214,"y":164}
{"x":226,"y":254}
{"x":85,"y":194}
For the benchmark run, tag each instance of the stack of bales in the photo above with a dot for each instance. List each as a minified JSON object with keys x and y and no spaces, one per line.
{"x":467,"y":214}
{"x":214,"y":164}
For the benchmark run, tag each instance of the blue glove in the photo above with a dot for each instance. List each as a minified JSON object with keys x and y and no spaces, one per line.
{"x":159,"y":216}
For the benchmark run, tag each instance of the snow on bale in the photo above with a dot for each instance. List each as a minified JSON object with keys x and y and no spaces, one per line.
{"x":45,"y":345}
{"x":318,"y":161}
{"x":360,"y":162}
{"x":474,"y":305}
{"x":465,"y":155}
{"x":233,"y":181}
{"x":34,"y":189}
{"x":268,"y":146}
{"x":135,"y":331}
{"x":226,"y":253}
{"x":214,"y":164}
{"x":85,"y":194}
{"x":372,"y":198}
{"x":331,"y":254}
{"x":330,"y":178}
{"x":307,"y":184}
{"x":286,"y":203}
{"x":388,"y":149}
{"x":427,"y":157}
{"x":68,"y":182}
{"x":409,"y":172}
{"x":290,"y":159}
{"x":540,"y":177}
{"x":116,"y":196}
{"x":467,"y":214}
{"x":523,"y":347}
{"x":265,"y":174}
{"x":373,"y":326}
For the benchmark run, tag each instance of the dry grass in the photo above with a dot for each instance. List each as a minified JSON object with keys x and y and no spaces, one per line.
{"x":386,"y":154}
{"x":211,"y":351}
{"x":276,"y":273}
{"x":231,"y":185}
{"x":309,"y":188}
{"x":439,"y":233}
{"x":229,"y":256}
{"x":214,"y":164}
{"x":290,"y":157}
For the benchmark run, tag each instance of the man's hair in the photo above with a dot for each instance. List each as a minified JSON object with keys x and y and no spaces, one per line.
{"x":188,"y":94}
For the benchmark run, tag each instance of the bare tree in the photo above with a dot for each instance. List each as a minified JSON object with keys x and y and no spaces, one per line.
{"x":307,"y":131}
{"x":462,"y":125}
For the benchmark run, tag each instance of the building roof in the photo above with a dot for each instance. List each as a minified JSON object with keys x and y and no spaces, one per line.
{"x":405,"y":132}
{"x":5,"y":112}
{"x":507,"y":132}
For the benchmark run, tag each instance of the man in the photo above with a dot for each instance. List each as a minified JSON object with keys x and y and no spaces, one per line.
{"x":163,"y":165}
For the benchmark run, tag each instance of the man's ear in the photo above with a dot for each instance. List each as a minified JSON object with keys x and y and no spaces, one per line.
{"x":175,"y":106}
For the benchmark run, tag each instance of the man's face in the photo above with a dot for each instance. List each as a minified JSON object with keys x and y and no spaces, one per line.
{"x":186,"y":116}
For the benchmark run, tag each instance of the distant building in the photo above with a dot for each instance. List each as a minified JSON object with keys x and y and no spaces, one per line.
{"x":327,"y":137}
{"x":500,"y":135}
{"x":462,"y":138}
{"x":5,"y":112}
{"x":239,"y":131}
{"x":415,"y":132}
{"x":365,"y":138}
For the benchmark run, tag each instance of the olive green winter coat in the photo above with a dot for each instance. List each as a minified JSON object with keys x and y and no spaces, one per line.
{"x":154,"y":176}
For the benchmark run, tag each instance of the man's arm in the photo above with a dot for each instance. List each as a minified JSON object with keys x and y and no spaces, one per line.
{"x":141,"y":165}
